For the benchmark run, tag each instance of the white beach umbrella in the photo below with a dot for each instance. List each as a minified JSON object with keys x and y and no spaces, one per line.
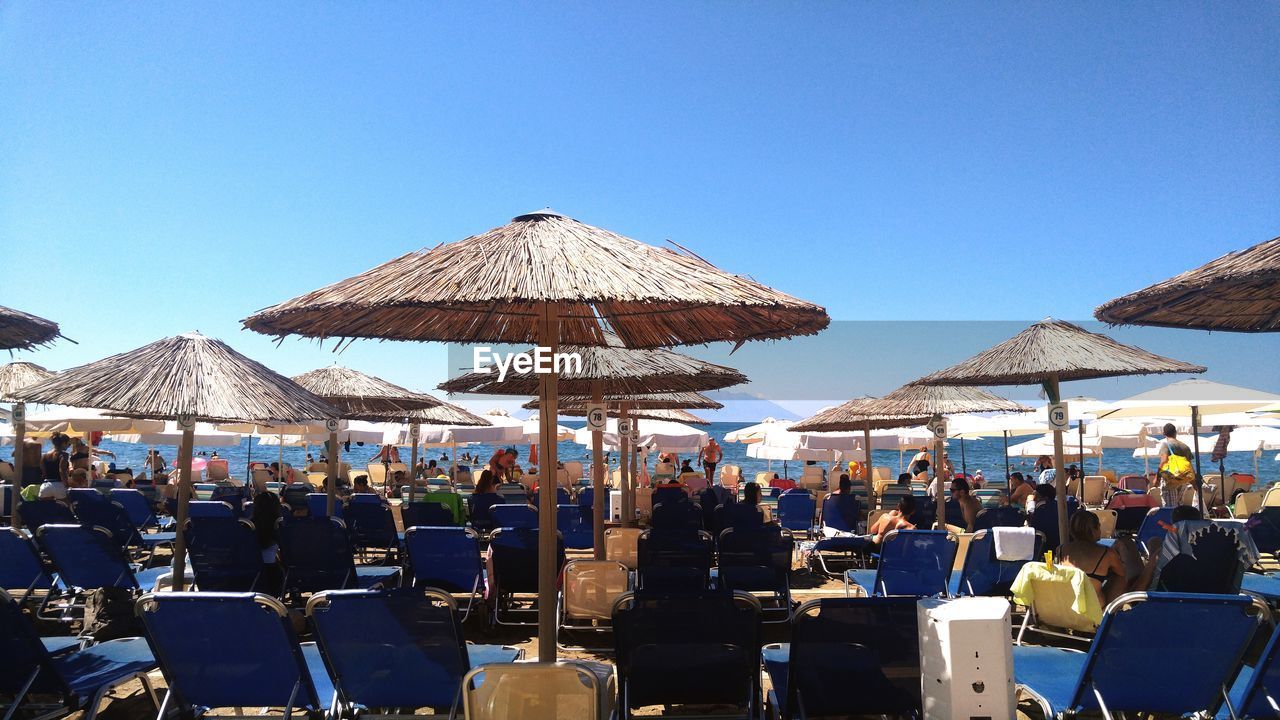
{"x":656,"y":435}
{"x":754,"y":433}
{"x":503,"y":429}
{"x":205,"y":435}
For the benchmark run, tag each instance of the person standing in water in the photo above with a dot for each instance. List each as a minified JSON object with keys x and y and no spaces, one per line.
{"x":710,"y":456}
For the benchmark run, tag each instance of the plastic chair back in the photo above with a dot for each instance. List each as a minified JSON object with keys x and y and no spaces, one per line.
{"x":514,"y":552}
{"x":841,"y":512}
{"x":210,"y":509}
{"x":371,"y":525}
{"x":532,"y":691}
{"x":425,"y":514}
{"x":574,"y":524}
{"x":677,"y":514}
{"x":1002,"y":516}
{"x":39,"y":513}
{"x":110,"y":515}
{"x":1150,"y":527}
{"x":316,"y":554}
{"x":592,"y":586}
{"x":136,"y":505}
{"x":20,"y":566}
{"x":227,"y":650}
{"x":983,"y":573}
{"x":670,"y":559}
{"x":796,"y":511}
{"x":22,"y":654}
{"x":1106,"y":521}
{"x":622,"y":545}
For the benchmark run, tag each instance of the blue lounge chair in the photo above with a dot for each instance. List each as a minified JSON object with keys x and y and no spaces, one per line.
{"x":232,"y":650}
{"x":317,"y":555}
{"x":1126,"y":668}
{"x":89,"y":559}
{"x":796,"y":510}
{"x":513,"y":493}
{"x":480,"y":509}
{"x":1151,"y":529}
{"x":841,"y":513}
{"x":736,"y":514}
{"x":574,"y":524}
{"x":562,"y":497}
{"x":210,"y":508}
{"x":873,"y":642}
{"x":224,"y":553}
{"x":21,"y":570}
{"x":758,"y":561}
{"x":982,"y":573}
{"x":514,"y":553}
{"x":426,"y":514}
{"x":510,"y":515}
{"x":674,"y":559}
{"x":1256,"y":691}
{"x":586,"y":497}
{"x":676,"y":514}
{"x":317,"y":503}
{"x":1002,"y":516}
{"x":113,"y":516}
{"x":916,"y":563}
{"x":88,"y":495}
{"x":140,"y":510}
{"x":688,"y":649}
{"x":446,"y":558}
{"x":373,"y":527}
{"x":396,"y":650}
{"x":79,"y":678}
{"x":37,"y":514}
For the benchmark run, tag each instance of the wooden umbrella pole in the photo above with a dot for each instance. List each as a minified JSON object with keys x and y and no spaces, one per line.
{"x":548,"y":337}
{"x":624,"y":469}
{"x":1080,"y":442}
{"x":413,"y":461}
{"x":600,"y":492}
{"x":331,"y":491}
{"x":1059,"y":471}
{"x":964,"y":464}
{"x":940,"y":496}
{"x":184,"y":498}
{"x":1005,"y":434}
{"x":1195,"y":441}
{"x":866,"y":469}
{"x":19,"y":455}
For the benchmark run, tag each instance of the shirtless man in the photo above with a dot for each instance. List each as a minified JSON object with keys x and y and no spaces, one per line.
{"x":709,"y":457}
{"x":896,"y":519}
{"x":969,"y":504}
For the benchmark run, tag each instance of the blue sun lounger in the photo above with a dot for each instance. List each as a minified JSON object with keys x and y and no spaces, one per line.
{"x":89,"y":559}
{"x":915,"y":563}
{"x":231,"y":650}
{"x":574,"y":524}
{"x":514,"y":552}
{"x":511,"y":515}
{"x":35,"y":515}
{"x":700,"y":648}
{"x":856,"y":656}
{"x":317,"y":555}
{"x":982,"y":573}
{"x":224,"y":554}
{"x":397,"y":649}
{"x":21,"y":569}
{"x":446,"y":558}
{"x":1144,"y":637}
{"x":1256,"y":691}
{"x":79,"y":678}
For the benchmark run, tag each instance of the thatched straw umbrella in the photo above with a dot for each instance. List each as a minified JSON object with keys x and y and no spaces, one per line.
{"x":1239,"y":291}
{"x":548,"y":279}
{"x":23,"y":331}
{"x":13,"y":377}
{"x":1046,"y":354}
{"x":910,"y":401}
{"x":623,"y":379}
{"x":187,"y":378}
{"x":364,"y":397}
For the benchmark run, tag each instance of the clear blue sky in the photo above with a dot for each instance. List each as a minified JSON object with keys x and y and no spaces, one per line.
{"x":167,"y":167}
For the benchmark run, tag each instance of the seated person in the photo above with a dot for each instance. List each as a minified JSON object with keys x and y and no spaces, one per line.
{"x":79,"y":478}
{"x":361,"y":485}
{"x":1102,"y":564}
{"x":904,"y":480}
{"x":969,"y":504}
{"x":480,"y":504}
{"x":751,"y":498}
{"x":843,"y":502}
{"x":1019,"y":490}
{"x":896,"y":519}
{"x":978,"y":480}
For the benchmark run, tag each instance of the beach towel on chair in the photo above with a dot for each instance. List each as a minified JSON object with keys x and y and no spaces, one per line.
{"x":1014,"y":543}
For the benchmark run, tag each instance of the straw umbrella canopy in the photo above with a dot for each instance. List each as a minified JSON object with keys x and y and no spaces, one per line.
{"x":660,"y":401}
{"x":904,"y":407}
{"x":548,"y":279}
{"x":23,"y":331}
{"x":1046,"y":354}
{"x":365,"y":397}
{"x":187,"y":378}
{"x":1239,"y":291}
{"x":17,"y":375}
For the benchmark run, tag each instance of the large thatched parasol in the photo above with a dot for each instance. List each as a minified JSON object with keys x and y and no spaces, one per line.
{"x":624,"y":379}
{"x":1050,"y":352}
{"x":908,"y":401}
{"x":13,"y":377}
{"x":22,"y":331}
{"x":186,"y":378}
{"x":1239,"y":291}
{"x":364,"y":397}
{"x":548,"y":279}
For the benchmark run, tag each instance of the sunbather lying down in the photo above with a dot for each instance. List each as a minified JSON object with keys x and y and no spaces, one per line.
{"x":896,"y":519}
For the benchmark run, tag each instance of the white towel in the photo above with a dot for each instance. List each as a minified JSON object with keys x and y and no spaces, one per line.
{"x":1014,"y":543}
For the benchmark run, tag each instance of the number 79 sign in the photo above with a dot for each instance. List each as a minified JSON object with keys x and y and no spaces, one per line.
{"x":1059,"y":419}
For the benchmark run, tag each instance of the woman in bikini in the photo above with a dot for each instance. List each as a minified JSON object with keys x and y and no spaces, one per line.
{"x":1102,"y":564}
